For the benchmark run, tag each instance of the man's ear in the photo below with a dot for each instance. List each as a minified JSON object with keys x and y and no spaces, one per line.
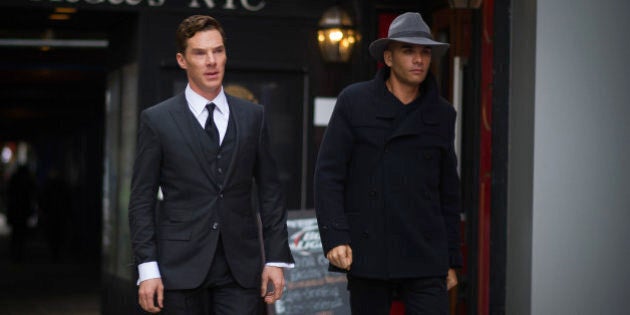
{"x":387,"y":58}
{"x":180,"y":60}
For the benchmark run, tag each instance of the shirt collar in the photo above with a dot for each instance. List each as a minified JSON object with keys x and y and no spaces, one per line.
{"x":197,"y":103}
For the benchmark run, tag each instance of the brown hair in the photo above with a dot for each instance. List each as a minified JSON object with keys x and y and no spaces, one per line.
{"x":193,"y":24}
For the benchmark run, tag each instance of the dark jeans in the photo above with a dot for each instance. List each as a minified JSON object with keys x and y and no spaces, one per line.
{"x":419,"y":295}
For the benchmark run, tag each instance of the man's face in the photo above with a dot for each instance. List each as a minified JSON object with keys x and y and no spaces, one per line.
{"x":409,"y":63}
{"x":204,"y":61}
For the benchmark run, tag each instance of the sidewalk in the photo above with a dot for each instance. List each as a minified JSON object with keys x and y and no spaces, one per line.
{"x":39,"y":286}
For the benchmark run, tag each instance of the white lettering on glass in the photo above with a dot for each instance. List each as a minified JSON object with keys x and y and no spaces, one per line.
{"x":195,"y":4}
{"x":249,"y":5}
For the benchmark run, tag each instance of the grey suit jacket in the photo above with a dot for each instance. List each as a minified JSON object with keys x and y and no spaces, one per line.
{"x":182,"y":235}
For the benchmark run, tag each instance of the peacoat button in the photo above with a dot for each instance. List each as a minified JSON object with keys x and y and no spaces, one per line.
{"x":215,"y":225}
{"x":218,"y":156}
{"x":220,"y":170}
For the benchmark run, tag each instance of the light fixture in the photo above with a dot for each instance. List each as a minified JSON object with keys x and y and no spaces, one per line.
{"x":7,"y":154}
{"x":50,"y":40}
{"x":465,"y":4}
{"x":336,"y":35}
{"x":62,"y":14}
{"x":59,"y":17}
{"x":65,"y":10}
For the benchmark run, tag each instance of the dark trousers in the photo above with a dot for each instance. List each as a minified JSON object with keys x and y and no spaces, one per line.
{"x":419,"y":295}
{"x":219,"y":294}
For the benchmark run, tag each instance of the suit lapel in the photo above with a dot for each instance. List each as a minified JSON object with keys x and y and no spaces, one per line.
{"x":188,"y":127}
{"x":236,"y":115}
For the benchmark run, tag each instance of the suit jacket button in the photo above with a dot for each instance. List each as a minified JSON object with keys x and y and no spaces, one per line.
{"x":219,"y":157}
{"x":215,"y":225}
{"x":221,"y":196}
{"x":220,"y":170}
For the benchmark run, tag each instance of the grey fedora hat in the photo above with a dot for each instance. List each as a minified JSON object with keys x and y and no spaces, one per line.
{"x":408,"y":28}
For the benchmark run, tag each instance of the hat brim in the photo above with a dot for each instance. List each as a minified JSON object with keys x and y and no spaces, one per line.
{"x":378,"y":46}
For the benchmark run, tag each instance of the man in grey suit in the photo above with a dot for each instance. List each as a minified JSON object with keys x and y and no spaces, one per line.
{"x":199,"y":252}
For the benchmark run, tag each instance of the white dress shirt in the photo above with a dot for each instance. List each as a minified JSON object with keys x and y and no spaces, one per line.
{"x":197,"y":105}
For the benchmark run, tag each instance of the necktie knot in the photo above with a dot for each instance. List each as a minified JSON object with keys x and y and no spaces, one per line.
{"x":210,"y":107}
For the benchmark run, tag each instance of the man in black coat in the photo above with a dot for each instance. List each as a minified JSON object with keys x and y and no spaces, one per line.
{"x":200,"y":252}
{"x":386,"y":185}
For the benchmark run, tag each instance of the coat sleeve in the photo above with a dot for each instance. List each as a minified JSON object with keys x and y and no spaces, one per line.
{"x":331,"y":171}
{"x":273,"y":213}
{"x":144,"y":187}
{"x":450,"y":196}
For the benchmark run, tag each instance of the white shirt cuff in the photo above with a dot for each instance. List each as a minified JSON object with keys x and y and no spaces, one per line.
{"x":148,"y":270}
{"x":281,"y":265}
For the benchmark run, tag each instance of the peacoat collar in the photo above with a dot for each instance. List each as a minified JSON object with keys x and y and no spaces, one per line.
{"x":389,"y":107}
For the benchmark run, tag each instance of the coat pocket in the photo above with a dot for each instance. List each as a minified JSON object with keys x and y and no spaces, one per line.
{"x":177,"y":215}
{"x":175,"y":232}
{"x":340,"y":223}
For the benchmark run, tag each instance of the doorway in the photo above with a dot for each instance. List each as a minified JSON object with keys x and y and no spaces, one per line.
{"x":54,"y":64}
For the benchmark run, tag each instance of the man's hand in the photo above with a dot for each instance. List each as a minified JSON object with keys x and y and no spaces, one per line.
{"x":340,"y":256}
{"x":451,"y":279}
{"x":147,"y":292}
{"x":276,"y":276}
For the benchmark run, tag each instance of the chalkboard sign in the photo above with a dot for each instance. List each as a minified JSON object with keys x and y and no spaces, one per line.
{"x":310,"y":288}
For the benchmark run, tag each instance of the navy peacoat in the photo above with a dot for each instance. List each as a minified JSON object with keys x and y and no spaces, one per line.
{"x":387,"y":183}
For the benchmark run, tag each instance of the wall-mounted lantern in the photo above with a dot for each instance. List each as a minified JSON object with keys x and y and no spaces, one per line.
{"x":336,"y":35}
{"x":465,"y":4}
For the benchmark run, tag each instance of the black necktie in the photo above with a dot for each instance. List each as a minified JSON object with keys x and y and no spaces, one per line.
{"x":211,"y":128}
